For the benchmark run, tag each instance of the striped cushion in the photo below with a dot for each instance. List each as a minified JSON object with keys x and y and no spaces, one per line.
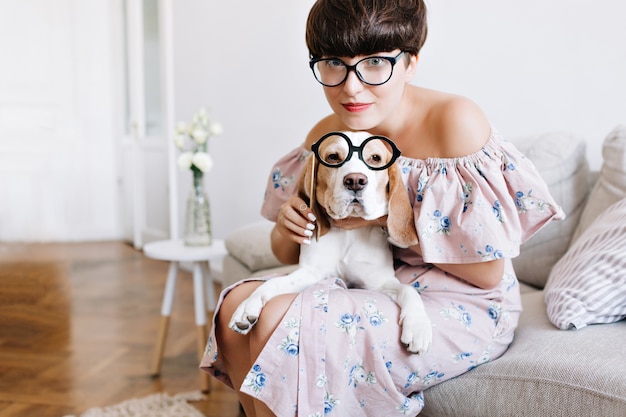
{"x":588,"y":284}
{"x":611,"y":185}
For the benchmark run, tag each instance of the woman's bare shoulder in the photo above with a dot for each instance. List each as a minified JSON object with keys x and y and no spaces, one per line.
{"x":328,"y":124}
{"x":459,"y":124}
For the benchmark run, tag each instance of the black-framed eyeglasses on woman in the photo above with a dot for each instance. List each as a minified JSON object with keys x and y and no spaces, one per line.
{"x":373,"y":70}
{"x":335,"y":149}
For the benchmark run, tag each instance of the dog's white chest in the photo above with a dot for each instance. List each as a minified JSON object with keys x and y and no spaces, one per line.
{"x":348,"y":254}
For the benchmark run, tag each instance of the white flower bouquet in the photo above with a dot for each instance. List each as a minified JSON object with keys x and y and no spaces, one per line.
{"x":196,"y":157}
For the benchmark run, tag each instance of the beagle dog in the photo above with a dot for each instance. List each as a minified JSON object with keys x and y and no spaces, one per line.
{"x":352,"y":174}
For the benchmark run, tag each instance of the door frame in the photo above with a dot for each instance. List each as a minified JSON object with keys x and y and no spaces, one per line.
{"x":136,"y":145}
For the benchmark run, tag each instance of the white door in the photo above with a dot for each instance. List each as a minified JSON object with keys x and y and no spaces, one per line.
{"x":58,"y":177}
{"x":146,"y":139}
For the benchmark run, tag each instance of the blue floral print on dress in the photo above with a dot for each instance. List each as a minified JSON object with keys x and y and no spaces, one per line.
{"x":510,"y":166}
{"x":441,"y":168}
{"x":421,"y":185}
{"x":494,"y":311}
{"x":418,"y":286}
{"x":431,"y":377}
{"x":330,"y":402}
{"x":405,"y":407}
{"x":349,"y":323}
{"x":479,"y":170}
{"x":466,"y":196}
{"x":358,"y":375}
{"x":484,"y":358}
{"x":458,"y":313}
{"x":444,"y":223}
{"x":321,"y":380}
{"x":290,"y":343}
{"x":507,"y":164}
{"x":497,"y":210}
{"x":510,"y":280}
{"x":437,"y":224}
{"x":279,"y":180}
{"x":458,"y":357}
{"x":412,"y":379}
{"x":322,"y":300}
{"x":374,"y":316}
{"x":256,"y":379}
{"x":490,"y":253}
{"x":419,"y":397}
{"x":527,"y":202}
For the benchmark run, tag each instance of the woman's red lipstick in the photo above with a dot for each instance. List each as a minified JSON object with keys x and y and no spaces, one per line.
{"x":356,"y":107}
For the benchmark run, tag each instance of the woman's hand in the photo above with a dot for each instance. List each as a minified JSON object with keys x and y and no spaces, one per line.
{"x":295,"y":221}
{"x":294,"y":226}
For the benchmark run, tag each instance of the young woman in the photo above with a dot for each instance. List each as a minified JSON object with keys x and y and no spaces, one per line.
{"x":336,"y":351}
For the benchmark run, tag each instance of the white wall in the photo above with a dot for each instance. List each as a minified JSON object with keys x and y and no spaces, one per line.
{"x":57,"y":146}
{"x":533,"y":66}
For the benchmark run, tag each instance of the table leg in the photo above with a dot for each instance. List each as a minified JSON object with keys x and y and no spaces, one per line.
{"x":210,"y":287}
{"x":166,"y":311}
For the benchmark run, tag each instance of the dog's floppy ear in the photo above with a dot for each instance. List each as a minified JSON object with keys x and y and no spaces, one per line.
{"x":307,"y":190}
{"x":400,"y":221}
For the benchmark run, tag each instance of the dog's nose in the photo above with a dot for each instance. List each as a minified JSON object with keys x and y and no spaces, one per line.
{"x":355,"y":182}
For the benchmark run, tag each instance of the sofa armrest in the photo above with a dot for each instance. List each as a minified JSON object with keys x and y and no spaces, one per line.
{"x":250,"y":245}
{"x":250,"y":254}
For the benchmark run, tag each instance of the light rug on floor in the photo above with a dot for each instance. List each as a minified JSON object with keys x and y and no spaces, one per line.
{"x":155,"y":405}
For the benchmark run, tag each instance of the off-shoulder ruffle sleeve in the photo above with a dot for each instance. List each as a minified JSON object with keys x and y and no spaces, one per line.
{"x":283,"y":181}
{"x":470,"y":209}
{"x":479,"y":207}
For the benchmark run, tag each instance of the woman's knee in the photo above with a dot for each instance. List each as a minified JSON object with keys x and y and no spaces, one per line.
{"x":232,"y":300}
{"x":226,"y":337}
{"x":270,"y":318}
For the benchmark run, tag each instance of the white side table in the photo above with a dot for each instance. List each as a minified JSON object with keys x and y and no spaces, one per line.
{"x":201,"y":257}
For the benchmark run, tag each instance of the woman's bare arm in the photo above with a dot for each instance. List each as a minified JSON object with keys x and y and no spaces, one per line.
{"x":294,"y":226}
{"x":485,"y":275}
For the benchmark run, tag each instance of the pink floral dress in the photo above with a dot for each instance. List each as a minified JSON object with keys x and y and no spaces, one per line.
{"x":337,"y":351}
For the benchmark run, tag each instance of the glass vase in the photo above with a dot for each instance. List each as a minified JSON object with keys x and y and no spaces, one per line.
{"x":198,"y":215}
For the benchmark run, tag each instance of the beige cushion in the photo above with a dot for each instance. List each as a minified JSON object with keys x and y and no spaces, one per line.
{"x":611,"y":186}
{"x":545,"y":372}
{"x":561,"y":161}
{"x":235,"y":271}
{"x":251,"y":246}
{"x":588,"y":284}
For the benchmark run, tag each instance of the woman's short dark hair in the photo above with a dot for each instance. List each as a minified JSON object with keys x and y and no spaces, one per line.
{"x":363,"y":27}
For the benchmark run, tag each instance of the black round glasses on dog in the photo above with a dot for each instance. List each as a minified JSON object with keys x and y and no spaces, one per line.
{"x":335,"y":149}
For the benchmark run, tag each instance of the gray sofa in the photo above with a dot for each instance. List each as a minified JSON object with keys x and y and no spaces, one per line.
{"x":546,"y":371}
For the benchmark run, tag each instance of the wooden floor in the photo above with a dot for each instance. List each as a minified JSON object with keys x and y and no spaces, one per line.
{"x":78,"y":325}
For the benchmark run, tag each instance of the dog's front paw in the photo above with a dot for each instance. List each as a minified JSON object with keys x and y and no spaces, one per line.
{"x":417,"y":334}
{"x":246,"y":315}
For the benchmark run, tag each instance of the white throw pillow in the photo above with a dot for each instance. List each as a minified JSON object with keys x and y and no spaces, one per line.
{"x":588,"y":284}
{"x":611,"y":185}
{"x":560,"y":159}
{"x":251,"y":246}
